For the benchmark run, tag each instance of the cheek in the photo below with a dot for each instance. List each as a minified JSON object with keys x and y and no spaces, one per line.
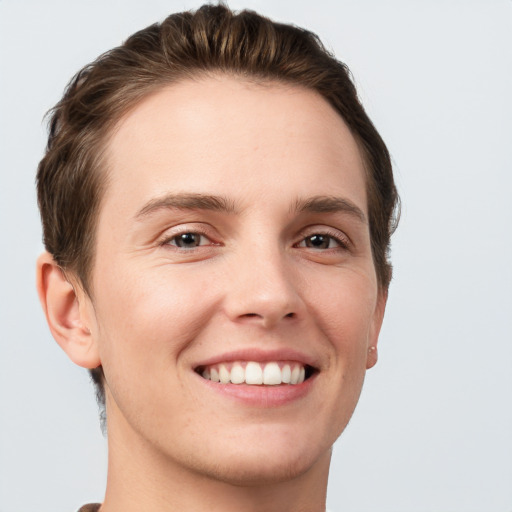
{"x":344,"y":314}
{"x":148,"y":319}
{"x":345,"y":309}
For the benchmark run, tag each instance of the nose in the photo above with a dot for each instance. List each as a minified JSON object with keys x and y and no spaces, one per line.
{"x":263,"y":290}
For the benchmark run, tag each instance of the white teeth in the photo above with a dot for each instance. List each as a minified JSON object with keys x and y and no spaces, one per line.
{"x":214,"y":375}
{"x":224,"y":374}
{"x":272,"y":374}
{"x":287,"y":374}
{"x":237,"y":374}
{"x":253,"y":373}
{"x":294,"y":378}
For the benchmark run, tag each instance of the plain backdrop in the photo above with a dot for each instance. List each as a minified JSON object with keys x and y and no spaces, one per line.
{"x":433,"y":429}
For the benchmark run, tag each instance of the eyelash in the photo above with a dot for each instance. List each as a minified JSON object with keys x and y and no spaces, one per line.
{"x":343,"y":243}
{"x":167,"y":241}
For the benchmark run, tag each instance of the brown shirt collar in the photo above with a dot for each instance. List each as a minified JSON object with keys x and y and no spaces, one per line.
{"x":92,"y":507}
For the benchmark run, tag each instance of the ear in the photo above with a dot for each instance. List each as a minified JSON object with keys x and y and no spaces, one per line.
{"x":66,"y":313}
{"x":373,"y":338}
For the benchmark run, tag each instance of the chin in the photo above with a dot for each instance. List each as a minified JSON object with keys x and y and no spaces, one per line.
{"x":263,"y":461}
{"x":262,"y":471}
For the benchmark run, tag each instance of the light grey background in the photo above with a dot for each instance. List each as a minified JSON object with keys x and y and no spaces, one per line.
{"x":433,"y":430}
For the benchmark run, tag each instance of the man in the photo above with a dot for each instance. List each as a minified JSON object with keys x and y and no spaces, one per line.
{"x":217,"y":209}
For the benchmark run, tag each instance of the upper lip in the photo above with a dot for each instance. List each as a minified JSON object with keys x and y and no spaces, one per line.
{"x":260,"y":356}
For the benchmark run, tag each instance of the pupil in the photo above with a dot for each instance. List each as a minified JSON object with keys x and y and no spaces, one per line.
{"x":318,"y":241}
{"x":188,"y":239}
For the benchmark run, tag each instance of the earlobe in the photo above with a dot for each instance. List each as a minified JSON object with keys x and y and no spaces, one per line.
{"x":64,"y":315}
{"x":373,"y":338}
{"x":371,"y":358}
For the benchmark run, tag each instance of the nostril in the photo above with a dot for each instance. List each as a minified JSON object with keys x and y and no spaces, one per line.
{"x":266,"y":320}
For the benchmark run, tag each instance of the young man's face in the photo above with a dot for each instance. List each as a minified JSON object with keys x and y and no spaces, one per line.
{"x":233,"y":234}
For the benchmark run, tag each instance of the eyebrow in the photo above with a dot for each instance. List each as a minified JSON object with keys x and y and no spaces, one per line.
{"x":194,"y":201}
{"x":329,"y":204}
{"x":187,"y":201}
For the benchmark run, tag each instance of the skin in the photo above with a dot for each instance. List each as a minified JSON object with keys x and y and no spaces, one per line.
{"x":255,"y":283}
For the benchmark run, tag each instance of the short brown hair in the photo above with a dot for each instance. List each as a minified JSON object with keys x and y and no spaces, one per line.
{"x":70,"y":177}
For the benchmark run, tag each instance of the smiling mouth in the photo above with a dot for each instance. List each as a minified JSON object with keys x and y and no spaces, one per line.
{"x":273,"y":373}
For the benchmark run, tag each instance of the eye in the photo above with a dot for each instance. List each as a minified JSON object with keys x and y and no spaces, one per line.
{"x":322,"y":241}
{"x":188,"y":240}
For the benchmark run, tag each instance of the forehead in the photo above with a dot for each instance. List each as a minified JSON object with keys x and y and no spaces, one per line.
{"x":222,"y":134}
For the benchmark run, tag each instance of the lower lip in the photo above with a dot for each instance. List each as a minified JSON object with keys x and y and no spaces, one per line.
{"x":263,"y":396}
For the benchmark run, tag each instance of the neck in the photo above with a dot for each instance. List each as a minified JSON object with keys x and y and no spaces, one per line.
{"x":141,"y":478}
